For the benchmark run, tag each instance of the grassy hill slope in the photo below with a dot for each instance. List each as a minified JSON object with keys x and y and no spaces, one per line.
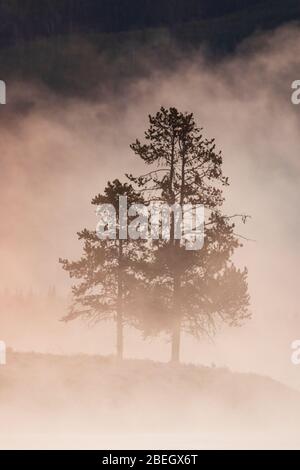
{"x":87,"y":401}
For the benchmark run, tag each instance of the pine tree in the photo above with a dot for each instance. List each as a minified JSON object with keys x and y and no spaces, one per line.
{"x":192,"y":291}
{"x":107,"y":285}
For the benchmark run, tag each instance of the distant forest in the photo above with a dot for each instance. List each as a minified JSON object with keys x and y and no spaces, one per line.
{"x":29,"y":19}
{"x":75,"y":47}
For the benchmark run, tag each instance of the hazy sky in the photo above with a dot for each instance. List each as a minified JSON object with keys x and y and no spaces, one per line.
{"x":57,"y":154}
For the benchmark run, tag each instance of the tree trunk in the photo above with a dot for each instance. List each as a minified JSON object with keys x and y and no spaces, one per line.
{"x":175,"y":358}
{"x":177,"y":282}
{"x":175,"y":355}
{"x":120,"y":341}
{"x":175,"y":246}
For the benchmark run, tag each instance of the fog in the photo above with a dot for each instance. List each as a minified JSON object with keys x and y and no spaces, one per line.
{"x":57,"y":153}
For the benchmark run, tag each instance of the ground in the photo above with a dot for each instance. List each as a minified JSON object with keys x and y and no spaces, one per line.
{"x":49,"y":401}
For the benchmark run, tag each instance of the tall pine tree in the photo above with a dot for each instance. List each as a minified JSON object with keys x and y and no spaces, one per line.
{"x":192,"y":291}
{"x":107,"y":286}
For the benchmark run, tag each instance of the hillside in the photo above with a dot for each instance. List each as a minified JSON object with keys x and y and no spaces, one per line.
{"x":25,"y":20}
{"x":94,"y":402}
{"x":75,"y":47}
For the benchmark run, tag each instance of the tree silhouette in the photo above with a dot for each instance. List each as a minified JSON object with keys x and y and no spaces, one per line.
{"x":193,"y":290}
{"x":107,"y":287}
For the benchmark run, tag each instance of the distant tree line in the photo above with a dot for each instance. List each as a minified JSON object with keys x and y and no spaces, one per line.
{"x":84,"y":47}
{"x":28,"y":19}
{"x":20,"y":297}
